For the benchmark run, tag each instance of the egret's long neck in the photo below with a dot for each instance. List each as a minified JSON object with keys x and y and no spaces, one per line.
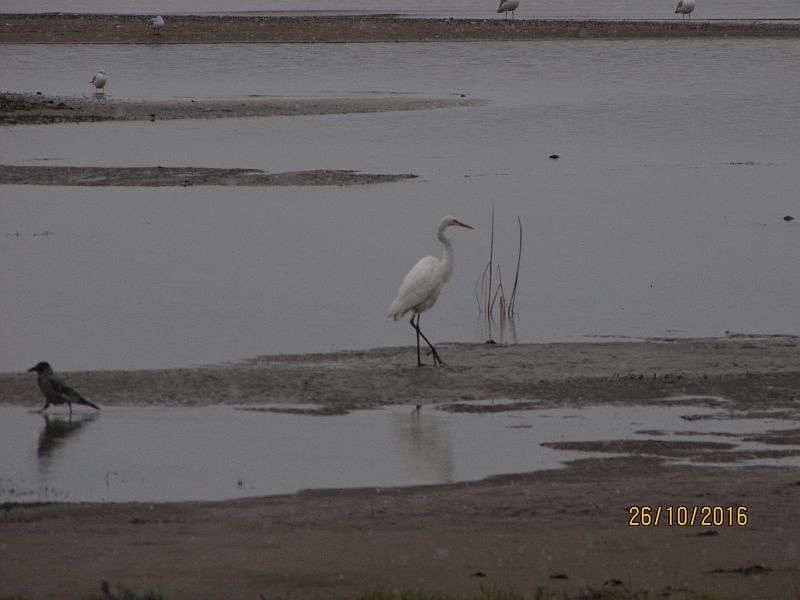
{"x":447,"y":255}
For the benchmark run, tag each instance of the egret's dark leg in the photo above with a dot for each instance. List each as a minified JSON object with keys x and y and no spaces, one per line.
{"x":435,"y":354}
{"x":416,"y":328}
{"x":46,"y":404}
{"x":70,"y":408}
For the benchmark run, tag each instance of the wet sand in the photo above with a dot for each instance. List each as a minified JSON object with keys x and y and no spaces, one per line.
{"x":82,"y":28}
{"x":561,"y":531}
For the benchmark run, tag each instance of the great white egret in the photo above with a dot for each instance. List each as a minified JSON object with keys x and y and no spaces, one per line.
{"x":55,"y":390}
{"x":423,"y":283}
{"x":99,"y":81}
{"x":156,"y":23}
{"x":685,"y":7}
{"x":507,"y":6}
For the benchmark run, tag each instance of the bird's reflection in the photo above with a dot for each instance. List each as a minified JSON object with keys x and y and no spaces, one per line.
{"x":57,"y":429}
{"x":426,"y":444}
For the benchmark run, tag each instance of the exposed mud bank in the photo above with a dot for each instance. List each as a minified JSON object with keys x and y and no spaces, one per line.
{"x":34,"y":109}
{"x":182,"y":176}
{"x":115,"y":29}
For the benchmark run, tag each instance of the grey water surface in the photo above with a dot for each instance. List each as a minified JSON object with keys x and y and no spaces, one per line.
{"x":213,"y":453}
{"x":663,"y":215}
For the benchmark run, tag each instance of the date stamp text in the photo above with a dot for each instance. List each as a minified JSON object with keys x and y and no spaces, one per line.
{"x":687,"y":516}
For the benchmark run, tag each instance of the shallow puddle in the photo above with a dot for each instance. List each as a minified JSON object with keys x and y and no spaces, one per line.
{"x":211,"y":453}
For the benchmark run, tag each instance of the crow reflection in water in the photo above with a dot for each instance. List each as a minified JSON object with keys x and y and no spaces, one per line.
{"x":57,"y":429}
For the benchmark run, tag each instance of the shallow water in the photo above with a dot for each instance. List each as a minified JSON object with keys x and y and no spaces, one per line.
{"x":663,"y":216}
{"x":565,"y":9}
{"x":212,"y":453}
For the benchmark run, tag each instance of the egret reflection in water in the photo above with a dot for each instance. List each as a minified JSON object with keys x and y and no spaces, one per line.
{"x":424,"y":440}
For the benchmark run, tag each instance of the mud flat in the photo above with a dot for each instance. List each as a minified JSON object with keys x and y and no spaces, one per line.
{"x":556,"y":533}
{"x":34,"y":109}
{"x":84,"y":28}
{"x":559,"y":533}
{"x":182,"y":176}
{"x":751,"y":373}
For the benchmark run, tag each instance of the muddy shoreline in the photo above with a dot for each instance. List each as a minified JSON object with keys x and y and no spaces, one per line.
{"x":556,"y":533}
{"x":184,"y":29}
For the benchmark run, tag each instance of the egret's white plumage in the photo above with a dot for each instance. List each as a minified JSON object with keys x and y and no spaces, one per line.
{"x":424,"y":282}
{"x":421,"y":286}
{"x":685,"y":7}
{"x":156,"y":23}
{"x":507,"y":6}
{"x":99,"y":81}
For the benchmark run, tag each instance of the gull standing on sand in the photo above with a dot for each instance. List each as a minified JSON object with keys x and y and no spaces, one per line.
{"x":99,"y":82}
{"x":156,"y":23}
{"x":55,"y":390}
{"x":685,"y":7}
{"x":423,"y":283}
{"x":507,"y":6}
